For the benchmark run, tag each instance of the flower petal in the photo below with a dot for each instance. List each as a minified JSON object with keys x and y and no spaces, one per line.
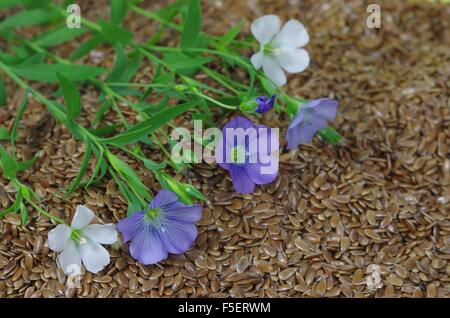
{"x":58,"y":237}
{"x":101,"y":233}
{"x":264,"y":28}
{"x":94,"y":256}
{"x":131,"y":226}
{"x":257,"y":60}
{"x":274,"y":71}
{"x":83,"y":216}
{"x":179,"y":212}
{"x":163,"y":198}
{"x":293,"y":34}
{"x":147,"y":247}
{"x":254,"y":173}
{"x":178,"y":237}
{"x":297,"y":118}
{"x":293,"y":60}
{"x":241,"y":182}
{"x":69,"y":257}
{"x":326,"y":109}
{"x":304,"y":132}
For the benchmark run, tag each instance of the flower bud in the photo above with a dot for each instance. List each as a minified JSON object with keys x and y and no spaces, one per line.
{"x":185,"y":192}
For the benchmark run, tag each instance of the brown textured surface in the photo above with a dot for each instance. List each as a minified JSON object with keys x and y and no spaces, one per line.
{"x":382,"y":198}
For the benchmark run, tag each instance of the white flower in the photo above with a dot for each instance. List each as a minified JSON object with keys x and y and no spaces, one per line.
{"x":81,"y":242}
{"x":280,"y":49}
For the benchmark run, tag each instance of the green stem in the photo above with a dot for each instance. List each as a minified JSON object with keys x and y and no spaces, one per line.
{"x":43,"y":212}
{"x":212,"y":100}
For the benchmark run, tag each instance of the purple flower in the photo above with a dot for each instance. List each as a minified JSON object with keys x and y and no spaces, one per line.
{"x":312,"y":117}
{"x":167,"y":226}
{"x":249,"y":153}
{"x":265,"y":103}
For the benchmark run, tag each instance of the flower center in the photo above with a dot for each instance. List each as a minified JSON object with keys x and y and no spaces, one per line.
{"x":152,"y":215}
{"x":268,"y":49}
{"x":237,"y":154}
{"x":77,"y":236}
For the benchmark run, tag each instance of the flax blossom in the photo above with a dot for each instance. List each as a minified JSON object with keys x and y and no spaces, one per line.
{"x":311,"y":117}
{"x":260,"y":104}
{"x":81,"y":241}
{"x":167,"y":226}
{"x":249,"y":153}
{"x":265,"y":103}
{"x":280,"y":50}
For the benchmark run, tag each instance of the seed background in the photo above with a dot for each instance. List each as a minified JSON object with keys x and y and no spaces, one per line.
{"x":382,"y":198}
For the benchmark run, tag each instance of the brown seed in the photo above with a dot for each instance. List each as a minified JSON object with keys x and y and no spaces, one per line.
{"x":431,"y":290}
{"x":395,"y":280}
{"x":103,"y":279}
{"x":287,"y":273}
{"x":133,"y":284}
{"x":3,"y":261}
{"x":149,"y":284}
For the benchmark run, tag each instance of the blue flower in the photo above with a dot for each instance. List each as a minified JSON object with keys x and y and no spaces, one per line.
{"x":167,"y":226}
{"x":312,"y":117}
{"x":248,"y":154}
{"x":265,"y":103}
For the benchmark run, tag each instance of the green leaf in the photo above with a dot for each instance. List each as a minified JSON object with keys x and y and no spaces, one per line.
{"x":26,"y":18}
{"x":32,"y":4}
{"x":119,"y":65}
{"x":149,"y":125}
{"x":22,"y":166}
{"x":129,"y":175}
{"x":154,"y":166}
{"x":114,"y":33}
{"x":228,"y":37}
{"x":3,"y":94}
{"x":4,"y":133}
{"x":101,"y":111}
{"x":38,"y":58}
{"x":86,"y":47}
{"x":192,"y":25}
{"x":46,"y":72}
{"x":119,"y":9}
{"x":268,"y":86}
{"x":23,"y":213}
{"x":83,"y":168}
{"x":9,"y":210}
{"x":72,"y":97}
{"x":330,"y":135}
{"x":20,"y":112}
{"x":5,"y":4}
{"x":100,"y":167}
{"x":132,"y":66}
{"x":58,"y":36}
{"x":105,"y":130}
{"x":180,"y":61}
{"x":8,"y":164}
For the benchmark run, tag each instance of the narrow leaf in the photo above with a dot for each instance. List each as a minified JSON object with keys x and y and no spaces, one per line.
{"x":8,"y":164}
{"x":26,"y":18}
{"x":149,"y":125}
{"x":46,"y":72}
{"x":71,"y":97}
{"x":82,"y":170}
{"x":86,"y":47}
{"x":3,"y":94}
{"x":192,"y":25}
{"x":114,"y":33}
{"x":119,"y":9}
{"x":58,"y":36}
